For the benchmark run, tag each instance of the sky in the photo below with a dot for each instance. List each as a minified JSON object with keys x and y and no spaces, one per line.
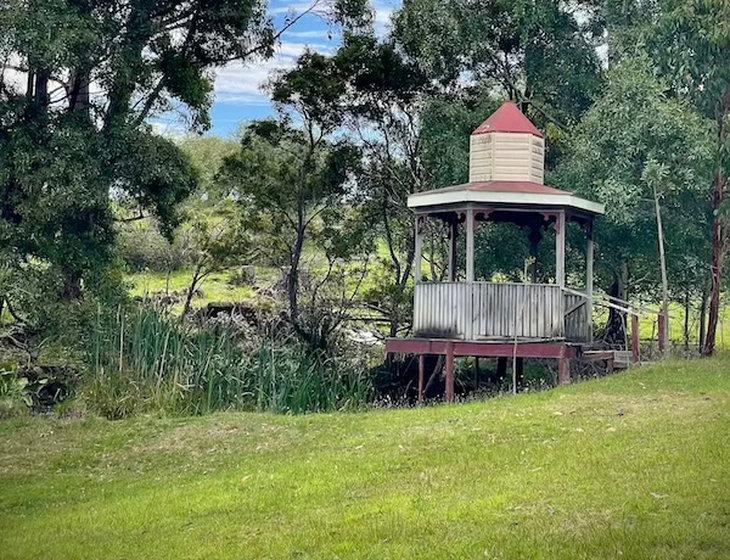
{"x":238,"y":95}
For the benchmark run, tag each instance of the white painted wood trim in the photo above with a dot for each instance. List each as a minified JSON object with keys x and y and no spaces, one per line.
{"x":435,"y":198}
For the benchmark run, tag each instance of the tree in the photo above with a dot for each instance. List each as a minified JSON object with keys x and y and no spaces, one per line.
{"x":216,"y":242}
{"x":79,"y":78}
{"x":292,"y":186}
{"x":534,"y":52}
{"x":636,"y":150}
{"x":688,"y":44}
{"x":382,"y":106}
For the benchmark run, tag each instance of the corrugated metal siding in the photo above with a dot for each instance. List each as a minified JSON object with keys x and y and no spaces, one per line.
{"x":482,"y":310}
{"x":577,"y":323}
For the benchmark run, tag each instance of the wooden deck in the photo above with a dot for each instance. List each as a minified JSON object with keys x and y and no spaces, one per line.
{"x":475,"y":311}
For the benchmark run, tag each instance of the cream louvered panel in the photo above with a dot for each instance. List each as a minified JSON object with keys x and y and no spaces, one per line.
{"x":506,"y":157}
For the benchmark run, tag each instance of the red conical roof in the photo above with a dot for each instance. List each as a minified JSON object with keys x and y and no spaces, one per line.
{"x":508,"y":118}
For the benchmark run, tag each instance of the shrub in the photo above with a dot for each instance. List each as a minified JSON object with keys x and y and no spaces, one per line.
{"x":14,"y":397}
{"x":143,"y":247}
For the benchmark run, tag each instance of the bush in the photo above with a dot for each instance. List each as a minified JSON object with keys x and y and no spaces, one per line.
{"x":14,"y":397}
{"x":142,"y":247}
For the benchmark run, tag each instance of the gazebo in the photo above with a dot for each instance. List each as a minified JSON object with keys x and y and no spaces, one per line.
{"x":461,"y":316}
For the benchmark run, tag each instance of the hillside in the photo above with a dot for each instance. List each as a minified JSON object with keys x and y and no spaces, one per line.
{"x":631,"y":466}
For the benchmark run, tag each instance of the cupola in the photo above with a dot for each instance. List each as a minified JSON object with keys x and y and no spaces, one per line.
{"x":507,"y":147}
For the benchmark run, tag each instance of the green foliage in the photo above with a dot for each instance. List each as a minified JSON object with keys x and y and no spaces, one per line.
{"x":142,"y":247}
{"x":635,"y":137}
{"x":206,"y":154}
{"x":520,"y":46}
{"x":65,"y":158}
{"x":14,"y":397}
{"x":142,"y":360}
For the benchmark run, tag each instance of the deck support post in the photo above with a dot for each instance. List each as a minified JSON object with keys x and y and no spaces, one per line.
{"x":560,"y":249}
{"x":501,"y":369}
{"x":470,"y":245}
{"x":563,"y":371}
{"x":421,"y":376}
{"x":520,"y":370}
{"x":418,"y":257}
{"x":449,"y":392}
{"x":589,"y":279}
{"x":635,"y":338}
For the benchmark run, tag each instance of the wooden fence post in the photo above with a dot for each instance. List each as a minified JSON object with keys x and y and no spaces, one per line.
{"x":635,"y":338}
{"x":563,"y":371}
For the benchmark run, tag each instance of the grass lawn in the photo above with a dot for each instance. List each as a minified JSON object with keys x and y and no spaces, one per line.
{"x":216,"y":287}
{"x":631,"y":466}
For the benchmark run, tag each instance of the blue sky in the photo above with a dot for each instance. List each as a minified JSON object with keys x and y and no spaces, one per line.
{"x":238,"y":95}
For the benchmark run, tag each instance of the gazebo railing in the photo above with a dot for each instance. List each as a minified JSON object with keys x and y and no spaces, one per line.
{"x":483,"y":310}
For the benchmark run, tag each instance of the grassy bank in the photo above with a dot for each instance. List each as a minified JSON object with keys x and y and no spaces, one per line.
{"x":633,"y":466}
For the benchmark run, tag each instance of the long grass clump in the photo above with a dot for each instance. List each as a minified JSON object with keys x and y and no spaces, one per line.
{"x":142,"y":360}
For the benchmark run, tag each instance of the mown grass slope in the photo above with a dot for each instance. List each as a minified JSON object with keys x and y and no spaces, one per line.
{"x":631,"y":466}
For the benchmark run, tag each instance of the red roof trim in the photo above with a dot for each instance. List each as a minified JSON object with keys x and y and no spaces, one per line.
{"x":508,"y":118}
{"x":528,"y":187}
{"x":514,"y":187}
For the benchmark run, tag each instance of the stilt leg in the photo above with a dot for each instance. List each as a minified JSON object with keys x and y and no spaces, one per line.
{"x":520,"y":368}
{"x":421,"y":375}
{"x":449,"y":393}
{"x":501,"y":369}
{"x":563,"y":371}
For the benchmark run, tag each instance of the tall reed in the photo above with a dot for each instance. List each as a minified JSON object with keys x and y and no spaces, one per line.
{"x":142,"y":359}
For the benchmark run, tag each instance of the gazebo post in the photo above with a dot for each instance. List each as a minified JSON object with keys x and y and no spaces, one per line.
{"x":418,"y":250}
{"x":589,"y":278}
{"x":470,"y":245}
{"x":560,"y":249}
{"x":453,"y":233}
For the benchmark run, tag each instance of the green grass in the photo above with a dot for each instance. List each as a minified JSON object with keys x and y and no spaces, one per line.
{"x":631,"y":466}
{"x":216,"y":287}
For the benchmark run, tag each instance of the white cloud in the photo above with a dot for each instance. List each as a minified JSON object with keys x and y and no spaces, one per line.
{"x":242,"y":83}
{"x":384,"y":10}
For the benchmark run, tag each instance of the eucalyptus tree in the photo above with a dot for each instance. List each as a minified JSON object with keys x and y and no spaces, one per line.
{"x":382,"y":109}
{"x":79,"y":80}
{"x":293,"y":182}
{"x":536,"y":53}
{"x":688,"y":44}
{"x":643,"y":154}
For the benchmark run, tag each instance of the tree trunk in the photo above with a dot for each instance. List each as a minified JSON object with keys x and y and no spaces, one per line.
{"x":664,"y":343}
{"x":79,"y":92}
{"x":615,"y":332}
{"x":686,"y":319}
{"x":71,"y":289}
{"x":197,"y":276}
{"x":703,"y":313}
{"x":718,"y":230}
{"x":718,"y":248}
{"x":292,"y":284}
